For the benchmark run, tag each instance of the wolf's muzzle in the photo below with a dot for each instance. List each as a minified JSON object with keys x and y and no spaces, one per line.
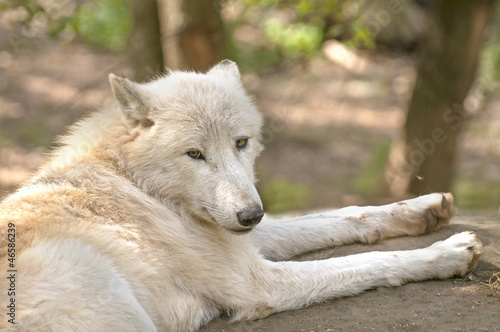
{"x":251,"y":216}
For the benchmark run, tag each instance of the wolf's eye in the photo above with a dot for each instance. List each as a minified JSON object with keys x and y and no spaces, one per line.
{"x":195,"y":154}
{"x":241,"y":143}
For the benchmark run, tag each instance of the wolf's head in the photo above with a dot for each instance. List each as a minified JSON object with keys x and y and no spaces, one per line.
{"x":196,"y":137}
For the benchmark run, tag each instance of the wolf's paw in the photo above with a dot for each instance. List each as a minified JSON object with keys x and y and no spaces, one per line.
{"x":458,"y":254}
{"x":426,"y":213}
{"x":440,"y":210}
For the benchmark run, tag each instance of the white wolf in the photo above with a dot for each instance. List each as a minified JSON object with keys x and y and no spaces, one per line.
{"x":145,"y":219}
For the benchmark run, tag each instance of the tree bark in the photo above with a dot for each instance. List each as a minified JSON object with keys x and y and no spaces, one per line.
{"x":192,"y":34}
{"x":144,"y":45}
{"x":422,"y":160}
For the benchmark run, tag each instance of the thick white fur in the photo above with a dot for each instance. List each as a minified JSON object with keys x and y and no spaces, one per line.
{"x":122,"y":231}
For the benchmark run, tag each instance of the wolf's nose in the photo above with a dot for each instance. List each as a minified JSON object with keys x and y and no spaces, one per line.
{"x":251,"y":216}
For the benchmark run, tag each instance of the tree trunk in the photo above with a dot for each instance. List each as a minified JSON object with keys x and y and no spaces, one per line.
{"x":144,"y":45}
{"x":422,"y":161}
{"x":192,"y":34}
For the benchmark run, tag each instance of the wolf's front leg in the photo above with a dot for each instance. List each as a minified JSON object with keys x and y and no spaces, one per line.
{"x":291,"y":285}
{"x":283,"y":239}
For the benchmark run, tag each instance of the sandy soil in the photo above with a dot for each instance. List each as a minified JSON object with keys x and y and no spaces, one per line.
{"x":322,"y":125}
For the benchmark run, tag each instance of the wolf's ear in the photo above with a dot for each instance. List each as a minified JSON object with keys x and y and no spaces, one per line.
{"x":131,"y":99}
{"x":226,"y":67}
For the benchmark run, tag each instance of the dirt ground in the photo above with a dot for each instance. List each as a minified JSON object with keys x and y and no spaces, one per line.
{"x":322,"y":125}
{"x":464,"y":304}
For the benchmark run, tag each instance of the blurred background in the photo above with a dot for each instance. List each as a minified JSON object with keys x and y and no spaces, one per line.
{"x":364,"y":101}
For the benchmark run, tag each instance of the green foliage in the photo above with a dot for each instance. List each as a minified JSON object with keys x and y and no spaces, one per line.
{"x":37,"y":15}
{"x":282,"y":195}
{"x":30,"y":6}
{"x":475,"y":195}
{"x":489,"y":68}
{"x":265,"y":4}
{"x":106,"y":23}
{"x":361,"y":37}
{"x":295,"y":29}
{"x":255,"y":59}
{"x":370,"y":178}
{"x":35,"y":134}
{"x":296,"y":40}
{"x":5,"y":141}
{"x":28,"y":134}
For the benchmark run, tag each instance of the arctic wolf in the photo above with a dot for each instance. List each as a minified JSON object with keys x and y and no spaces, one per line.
{"x":147,"y":219}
